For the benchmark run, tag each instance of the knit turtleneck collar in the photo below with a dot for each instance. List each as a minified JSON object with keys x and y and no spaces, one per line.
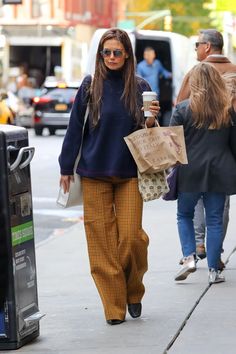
{"x":114,"y":74}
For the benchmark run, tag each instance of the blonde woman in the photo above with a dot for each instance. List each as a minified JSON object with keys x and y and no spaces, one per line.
{"x":210,"y":134}
{"x":230,"y":81}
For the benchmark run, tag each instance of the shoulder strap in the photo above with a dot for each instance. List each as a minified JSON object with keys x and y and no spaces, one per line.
{"x":80,"y":149}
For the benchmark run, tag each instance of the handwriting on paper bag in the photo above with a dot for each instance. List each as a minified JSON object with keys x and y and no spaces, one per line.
{"x":171,"y":136}
{"x":146,"y":140}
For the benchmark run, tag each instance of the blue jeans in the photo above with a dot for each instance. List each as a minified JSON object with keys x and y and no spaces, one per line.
{"x":199,"y":221}
{"x":214,"y":208}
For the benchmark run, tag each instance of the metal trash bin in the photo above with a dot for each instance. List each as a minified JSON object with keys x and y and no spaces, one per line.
{"x":19,"y":314}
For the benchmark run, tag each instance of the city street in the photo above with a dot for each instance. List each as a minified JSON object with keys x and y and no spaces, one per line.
{"x":50,"y":292}
{"x":48,"y":217}
{"x":188,"y":317}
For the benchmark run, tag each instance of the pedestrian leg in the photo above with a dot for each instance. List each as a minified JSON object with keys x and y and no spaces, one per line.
{"x":133,"y":241}
{"x":226,"y":216}
{"x":102,"y":238}
{"x":185,"y":214}
{"x":199,"y":223}
{"x":214,"y":207}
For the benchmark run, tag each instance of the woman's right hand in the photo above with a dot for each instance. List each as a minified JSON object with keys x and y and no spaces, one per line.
{"x":65,"y":182}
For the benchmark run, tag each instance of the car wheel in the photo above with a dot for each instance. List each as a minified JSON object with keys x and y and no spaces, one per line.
{"x":38,"y":131}
{"x":52,"y":131}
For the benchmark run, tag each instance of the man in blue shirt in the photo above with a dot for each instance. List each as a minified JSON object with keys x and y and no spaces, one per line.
{"x":152,"y":69}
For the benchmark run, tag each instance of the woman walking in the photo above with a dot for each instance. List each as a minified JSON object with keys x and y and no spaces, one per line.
{"x":210,"y":134}
{"x":117,"y":244}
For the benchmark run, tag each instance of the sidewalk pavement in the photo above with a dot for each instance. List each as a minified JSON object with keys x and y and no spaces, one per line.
{"x":75,"y":324}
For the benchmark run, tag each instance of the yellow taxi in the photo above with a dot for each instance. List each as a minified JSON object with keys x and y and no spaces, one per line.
{"x":6,"y":115}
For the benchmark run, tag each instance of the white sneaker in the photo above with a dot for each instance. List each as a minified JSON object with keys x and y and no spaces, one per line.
{"x":189,"y":266}
{"x":215,"y":277}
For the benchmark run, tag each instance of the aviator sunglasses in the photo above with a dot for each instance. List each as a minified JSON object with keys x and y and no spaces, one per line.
{"x":198,"y":43}
{"x":107,"y":53}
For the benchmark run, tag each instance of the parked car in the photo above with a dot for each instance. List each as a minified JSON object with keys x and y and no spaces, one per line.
{"x":172,"y":49}
{"x":25,"y":114}
{"x":6,"y":114}
{"x":52,"y":108}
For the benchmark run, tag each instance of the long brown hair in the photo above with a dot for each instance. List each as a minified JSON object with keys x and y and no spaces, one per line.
{"x":129,"y":95}
{"x":209,"y":97}
{"x":230,"y":81}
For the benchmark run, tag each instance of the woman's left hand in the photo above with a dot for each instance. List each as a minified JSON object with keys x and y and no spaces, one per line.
{"x":154,"y":108}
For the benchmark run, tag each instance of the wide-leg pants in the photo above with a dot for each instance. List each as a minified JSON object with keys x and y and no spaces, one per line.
{"x":117,"y":244}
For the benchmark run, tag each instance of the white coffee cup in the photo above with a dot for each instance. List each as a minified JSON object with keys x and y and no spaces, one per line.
{"x":148,"y":97}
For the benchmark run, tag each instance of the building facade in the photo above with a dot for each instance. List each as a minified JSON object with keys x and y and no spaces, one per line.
{"x":39,"y":35}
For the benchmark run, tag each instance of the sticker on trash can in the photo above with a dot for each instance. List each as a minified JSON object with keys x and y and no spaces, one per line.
{"x":22,"y":233}
{"x":24,"y":268}
{"x":25,"y":204}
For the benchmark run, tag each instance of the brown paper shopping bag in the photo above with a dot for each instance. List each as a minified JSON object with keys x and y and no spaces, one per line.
{"x":158,"y":148}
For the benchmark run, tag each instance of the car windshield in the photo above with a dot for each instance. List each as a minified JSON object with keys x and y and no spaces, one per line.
{"x":66,"y":93}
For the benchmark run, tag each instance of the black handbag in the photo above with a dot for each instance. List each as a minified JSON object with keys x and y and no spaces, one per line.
{"x":172,"y":180}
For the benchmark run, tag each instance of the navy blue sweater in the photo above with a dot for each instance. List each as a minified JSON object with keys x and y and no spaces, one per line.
{"x":104,"y":151}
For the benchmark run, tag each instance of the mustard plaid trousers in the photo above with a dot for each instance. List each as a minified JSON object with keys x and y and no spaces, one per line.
{"x":117,"y":244}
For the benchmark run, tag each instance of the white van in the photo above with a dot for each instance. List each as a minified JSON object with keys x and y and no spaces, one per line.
{"x":172,"y":49}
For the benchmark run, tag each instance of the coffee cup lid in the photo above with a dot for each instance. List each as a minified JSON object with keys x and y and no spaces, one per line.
{"x":149,"y":93}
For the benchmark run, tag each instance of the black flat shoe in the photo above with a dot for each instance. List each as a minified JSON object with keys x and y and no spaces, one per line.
{"x":135,"y":310}
{"x":115,"y":322}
